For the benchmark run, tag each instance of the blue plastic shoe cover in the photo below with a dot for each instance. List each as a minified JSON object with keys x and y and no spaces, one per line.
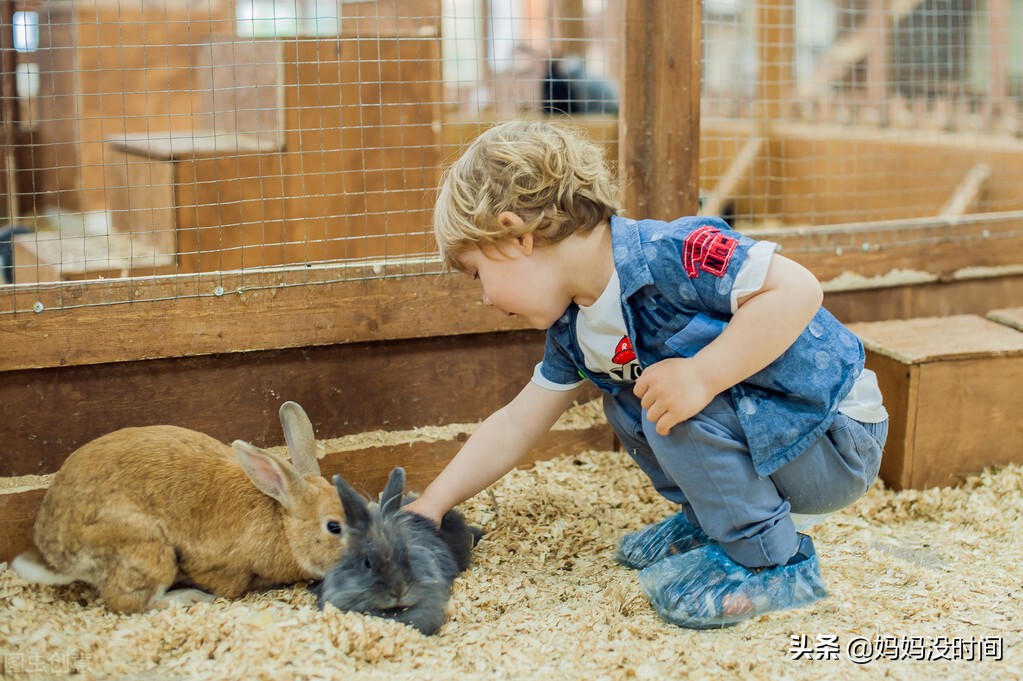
{"x":705,"y":589}
{"x":671,"y":536}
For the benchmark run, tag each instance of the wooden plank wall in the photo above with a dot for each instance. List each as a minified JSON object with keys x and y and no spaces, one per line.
{"x":929,"y":247}
{"x":346,"y":389}
{"x":837,"y":179}
{"x":935,"y":299}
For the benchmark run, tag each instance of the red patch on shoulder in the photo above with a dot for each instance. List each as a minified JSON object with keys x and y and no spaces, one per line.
{"x":709,"y":250}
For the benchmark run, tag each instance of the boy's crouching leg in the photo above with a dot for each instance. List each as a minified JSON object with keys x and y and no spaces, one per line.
{"x":705,"y":589}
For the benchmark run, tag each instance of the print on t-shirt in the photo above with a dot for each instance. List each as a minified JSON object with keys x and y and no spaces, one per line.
{"x":626,"y":367}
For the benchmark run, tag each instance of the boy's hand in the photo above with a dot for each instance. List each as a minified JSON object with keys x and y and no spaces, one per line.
{"x":419,"y":508}
{"x":765,"y":324}
{"x":672,"y":391}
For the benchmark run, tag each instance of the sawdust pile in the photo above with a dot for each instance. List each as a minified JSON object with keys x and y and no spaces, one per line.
{"x":545,"y":600}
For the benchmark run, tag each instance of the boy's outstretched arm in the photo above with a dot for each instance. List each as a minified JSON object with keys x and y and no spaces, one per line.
{"x":763,"y":327}
{"x":500,"y":443}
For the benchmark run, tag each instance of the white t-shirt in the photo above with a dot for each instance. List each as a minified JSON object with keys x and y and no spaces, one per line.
{"x":607,"y":350}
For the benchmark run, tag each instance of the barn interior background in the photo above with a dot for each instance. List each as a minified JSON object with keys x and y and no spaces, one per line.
{"x":213,"y":206}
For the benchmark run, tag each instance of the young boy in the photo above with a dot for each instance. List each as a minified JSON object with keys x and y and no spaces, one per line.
{"x":740,"y":397}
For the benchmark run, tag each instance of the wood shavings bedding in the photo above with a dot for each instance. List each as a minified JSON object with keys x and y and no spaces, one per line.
{"x":544,"y":599}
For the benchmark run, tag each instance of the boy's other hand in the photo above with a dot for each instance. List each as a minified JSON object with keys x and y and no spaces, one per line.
{"x":672,"y":391}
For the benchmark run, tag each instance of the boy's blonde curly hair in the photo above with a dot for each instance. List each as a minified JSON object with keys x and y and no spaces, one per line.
{"x":549,"y":175}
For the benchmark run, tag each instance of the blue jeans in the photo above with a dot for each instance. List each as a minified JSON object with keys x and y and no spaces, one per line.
{"x":704,"y":464}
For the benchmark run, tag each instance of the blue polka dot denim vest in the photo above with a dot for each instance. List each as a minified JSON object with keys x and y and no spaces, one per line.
{"x":676,"y":280}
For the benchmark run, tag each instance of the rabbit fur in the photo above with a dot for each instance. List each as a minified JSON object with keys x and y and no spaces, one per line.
{"x":398,"y":565}
{"x":141,"y":509}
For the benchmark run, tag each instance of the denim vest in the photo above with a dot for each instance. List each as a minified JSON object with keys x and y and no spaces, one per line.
{"x":676,"y":283}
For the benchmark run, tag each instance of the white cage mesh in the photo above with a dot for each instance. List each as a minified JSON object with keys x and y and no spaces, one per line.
{"x":193,"y":138}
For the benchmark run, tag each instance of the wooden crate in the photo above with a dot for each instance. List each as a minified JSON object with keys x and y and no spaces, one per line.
{"x":951,"y":386}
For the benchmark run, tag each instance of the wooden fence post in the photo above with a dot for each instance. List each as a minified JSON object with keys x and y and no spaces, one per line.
{"x":659,"y":127}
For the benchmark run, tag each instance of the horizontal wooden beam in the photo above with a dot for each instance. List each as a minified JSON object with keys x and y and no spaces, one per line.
{"x":121,"y":320}
{"x":942,"y":247}
{"x":928,"y":299}
{"x":893,"y":138}
{"x":95,"y":322}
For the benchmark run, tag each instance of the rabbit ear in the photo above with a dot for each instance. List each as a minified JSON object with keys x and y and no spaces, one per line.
{"x":273,"y":477}
{"x":298,"y":432}
{"x":390,"y":498}
{"x":355,"y":507}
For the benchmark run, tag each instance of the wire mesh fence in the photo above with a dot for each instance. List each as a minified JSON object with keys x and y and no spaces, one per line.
{"x":818,"y":112}
{"x":210,"y":144}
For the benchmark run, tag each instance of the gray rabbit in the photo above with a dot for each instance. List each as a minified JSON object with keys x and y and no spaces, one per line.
{"x":398,"y":564}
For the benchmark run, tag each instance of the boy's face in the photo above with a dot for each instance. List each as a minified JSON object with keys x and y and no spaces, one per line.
{"x":519,"y":279}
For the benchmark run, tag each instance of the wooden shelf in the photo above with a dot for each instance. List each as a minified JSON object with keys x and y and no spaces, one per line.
{"x":172,"y":145}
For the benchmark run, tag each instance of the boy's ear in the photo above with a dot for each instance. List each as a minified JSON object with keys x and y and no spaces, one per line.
{"x":526,"y":243}
{"x":509,"y":220}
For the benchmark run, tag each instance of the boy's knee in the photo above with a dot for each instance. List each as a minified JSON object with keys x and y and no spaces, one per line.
{"x":836,"y":471}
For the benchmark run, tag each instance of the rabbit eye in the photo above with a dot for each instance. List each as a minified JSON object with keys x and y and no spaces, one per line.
{"x":334,"y":527}
{"x":367,"y":563}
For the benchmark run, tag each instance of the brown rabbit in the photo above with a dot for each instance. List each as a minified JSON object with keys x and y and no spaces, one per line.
{"x":141,"y":509}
